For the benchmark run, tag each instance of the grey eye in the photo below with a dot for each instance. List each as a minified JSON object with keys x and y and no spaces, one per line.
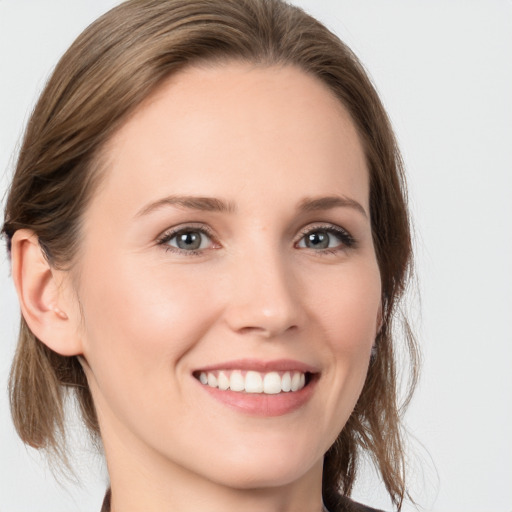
{"x":190,"y":240}
{"x":321,"y":239}
{"x":317,"y":240}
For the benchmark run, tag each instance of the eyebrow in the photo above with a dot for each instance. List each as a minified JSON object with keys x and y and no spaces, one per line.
{"x":329,"y":202}
{"x":205,"y":204}
{"x":213,"y":204}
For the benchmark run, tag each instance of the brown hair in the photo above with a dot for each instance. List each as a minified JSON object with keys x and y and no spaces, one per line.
{"x":110,"y":69}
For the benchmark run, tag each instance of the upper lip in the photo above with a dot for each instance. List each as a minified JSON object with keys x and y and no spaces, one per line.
{"x":257,"y":365}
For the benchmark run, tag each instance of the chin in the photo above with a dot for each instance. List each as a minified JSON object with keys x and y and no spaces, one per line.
{"x":265,"y":468}
{"x":262,"y":478}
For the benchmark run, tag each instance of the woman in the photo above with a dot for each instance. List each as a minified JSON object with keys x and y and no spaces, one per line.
{"x":209,"y":238}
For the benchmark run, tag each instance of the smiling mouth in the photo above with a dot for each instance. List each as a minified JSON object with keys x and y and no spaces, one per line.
{"x":267,"y":383}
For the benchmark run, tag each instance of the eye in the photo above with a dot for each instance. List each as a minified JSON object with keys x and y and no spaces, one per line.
{"x":189,"y":239}
{"x":328,"y":238}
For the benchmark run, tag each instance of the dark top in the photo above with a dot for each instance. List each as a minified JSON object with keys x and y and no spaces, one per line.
{"x":344,"y":505}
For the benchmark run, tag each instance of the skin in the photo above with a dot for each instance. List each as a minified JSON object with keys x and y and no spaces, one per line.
{"x":262,"y":140}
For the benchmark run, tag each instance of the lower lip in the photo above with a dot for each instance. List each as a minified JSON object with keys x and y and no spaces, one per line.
{"x":261,"y":404}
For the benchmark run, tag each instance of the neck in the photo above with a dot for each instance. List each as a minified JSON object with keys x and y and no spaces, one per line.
{"x":144,"y":480}
{"x":184,"y":492}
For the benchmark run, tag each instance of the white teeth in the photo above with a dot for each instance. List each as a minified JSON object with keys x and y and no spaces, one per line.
{"x":237,"y":381}
{"x":295,"y":385}
{"x":286,"y":383}
{"x":270,"y":383}
{"x":253,"y":382}
{"x":212,"y":380}
{"x":223,"y":381}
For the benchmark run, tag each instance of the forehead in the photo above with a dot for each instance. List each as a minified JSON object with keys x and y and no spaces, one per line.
{"x":217,"y":130}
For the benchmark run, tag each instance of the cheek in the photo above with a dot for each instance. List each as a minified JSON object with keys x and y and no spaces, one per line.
{"x":142,"y":323}
{"x":138,"y":329}
{"x":348,"y":308}
{"x":343,"y":307}
{"x":348,"y":313}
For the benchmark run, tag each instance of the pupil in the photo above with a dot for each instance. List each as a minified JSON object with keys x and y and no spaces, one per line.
{"x":189,"y":240}
{"x":318,"y":240}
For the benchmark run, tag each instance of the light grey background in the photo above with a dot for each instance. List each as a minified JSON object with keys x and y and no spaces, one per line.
{"x":444,"y":71}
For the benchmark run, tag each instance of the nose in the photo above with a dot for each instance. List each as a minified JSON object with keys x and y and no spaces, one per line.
{"x":264,"y":296}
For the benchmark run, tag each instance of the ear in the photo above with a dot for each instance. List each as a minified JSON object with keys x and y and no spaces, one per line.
{"x":44,"y":295}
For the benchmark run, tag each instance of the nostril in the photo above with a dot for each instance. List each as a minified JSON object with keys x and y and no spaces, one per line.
{"x":250,"y":330}
{"x":267,"y":332}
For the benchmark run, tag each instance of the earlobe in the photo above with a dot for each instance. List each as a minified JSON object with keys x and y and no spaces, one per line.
{"x":45,"y":305}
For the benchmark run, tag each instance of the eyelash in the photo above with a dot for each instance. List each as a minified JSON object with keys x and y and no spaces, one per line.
{"x":346,"y":239}
{"x":169,"y":235}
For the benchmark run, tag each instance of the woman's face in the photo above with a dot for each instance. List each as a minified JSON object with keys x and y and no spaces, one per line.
{"x":229,"y":246}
